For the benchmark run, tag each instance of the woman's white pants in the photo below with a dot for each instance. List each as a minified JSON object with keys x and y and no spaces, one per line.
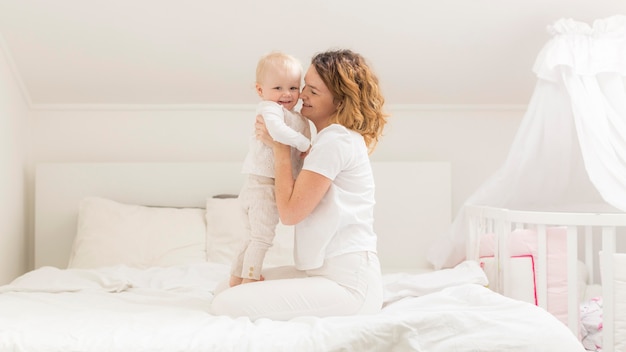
{"x":345,"y":285}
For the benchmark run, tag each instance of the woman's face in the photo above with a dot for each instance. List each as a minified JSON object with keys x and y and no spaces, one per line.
{"x":317,"y":101}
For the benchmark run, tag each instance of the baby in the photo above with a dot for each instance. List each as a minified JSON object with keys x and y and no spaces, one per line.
{"x":278,"y":78}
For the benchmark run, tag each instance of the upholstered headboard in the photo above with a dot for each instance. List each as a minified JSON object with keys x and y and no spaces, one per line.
{"x":413,"y":201}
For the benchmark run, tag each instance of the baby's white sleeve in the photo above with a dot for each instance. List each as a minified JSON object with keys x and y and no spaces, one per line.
{"x":274,"y":117}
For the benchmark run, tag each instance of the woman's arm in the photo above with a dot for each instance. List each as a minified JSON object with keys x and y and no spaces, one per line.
{"x":295,"y":199}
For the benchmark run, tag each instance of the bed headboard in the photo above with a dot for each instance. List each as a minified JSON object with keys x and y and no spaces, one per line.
{"x":413,"y":201}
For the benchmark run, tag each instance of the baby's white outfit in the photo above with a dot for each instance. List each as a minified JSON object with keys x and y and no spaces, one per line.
{"x":257,"y":198}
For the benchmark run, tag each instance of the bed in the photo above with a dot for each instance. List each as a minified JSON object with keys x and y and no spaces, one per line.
{"x":127,"y":256}
{"x":571,"y":252}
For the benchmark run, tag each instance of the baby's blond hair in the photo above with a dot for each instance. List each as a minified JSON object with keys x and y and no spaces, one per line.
{"x":277,"y":60}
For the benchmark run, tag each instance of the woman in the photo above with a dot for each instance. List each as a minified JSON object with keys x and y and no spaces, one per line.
{"x":331,"y":202}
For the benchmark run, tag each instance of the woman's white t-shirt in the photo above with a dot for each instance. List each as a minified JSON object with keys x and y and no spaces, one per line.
{"x":343,"y":220}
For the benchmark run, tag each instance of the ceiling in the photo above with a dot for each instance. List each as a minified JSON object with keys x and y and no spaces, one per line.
{"x":205,"y":52}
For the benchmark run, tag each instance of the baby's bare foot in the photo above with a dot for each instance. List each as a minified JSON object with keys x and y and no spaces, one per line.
{"x":234,"y":281}
{"x":245,"y":281}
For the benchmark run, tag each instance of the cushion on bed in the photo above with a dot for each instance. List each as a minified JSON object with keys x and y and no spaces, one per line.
{"x":524,"y":242}
{"x":225,"y":232}
{"x":112,"y":233}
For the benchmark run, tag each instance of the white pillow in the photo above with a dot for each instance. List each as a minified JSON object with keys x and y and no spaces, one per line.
{"x":225,"y":232}
{"x":111,"y":233}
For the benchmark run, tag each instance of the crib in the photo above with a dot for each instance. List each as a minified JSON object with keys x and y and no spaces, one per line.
{"x":591,"y":242}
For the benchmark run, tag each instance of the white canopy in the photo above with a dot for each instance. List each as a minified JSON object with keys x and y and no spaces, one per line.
{"x":570,"y":149}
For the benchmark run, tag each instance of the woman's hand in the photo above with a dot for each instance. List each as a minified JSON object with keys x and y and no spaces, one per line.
{"x":264,"y":136}
{"x":261,"y":132}
{"x":304,"y":154}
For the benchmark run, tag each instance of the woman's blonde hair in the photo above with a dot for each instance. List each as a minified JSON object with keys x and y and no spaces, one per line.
{"x":356,"y":92}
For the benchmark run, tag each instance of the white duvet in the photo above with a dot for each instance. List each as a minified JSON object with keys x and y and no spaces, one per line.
{"x":166,"y":309}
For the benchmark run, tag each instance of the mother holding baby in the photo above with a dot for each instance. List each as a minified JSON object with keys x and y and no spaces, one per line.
{"x":331,"y":202}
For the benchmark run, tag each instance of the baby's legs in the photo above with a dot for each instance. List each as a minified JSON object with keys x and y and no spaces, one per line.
{"x":347,"y":284}
{"x":261,"y":218}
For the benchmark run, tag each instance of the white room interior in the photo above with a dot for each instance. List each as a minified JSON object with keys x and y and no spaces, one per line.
{"x":164,"y":81}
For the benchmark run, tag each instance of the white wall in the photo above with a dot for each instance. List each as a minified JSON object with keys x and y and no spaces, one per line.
{"x":474,"y":139}
{"x":13,"y":159}
{"x":205,"y":52}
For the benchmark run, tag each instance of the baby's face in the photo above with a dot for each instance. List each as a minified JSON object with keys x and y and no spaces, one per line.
{"x":280,"y":86}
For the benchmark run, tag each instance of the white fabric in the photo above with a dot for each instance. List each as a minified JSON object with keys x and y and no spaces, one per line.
{"x":401,"y":285}
{"x":195,"y":279}
{"x":347,"y":284}
{"x":112,"y":233}
{"x":571,"y":146}
{"x":287,"y":127}
{"x":166,"y":309}
{"x":343,"y":220}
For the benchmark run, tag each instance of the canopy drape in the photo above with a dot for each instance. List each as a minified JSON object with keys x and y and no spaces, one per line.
{"x":570,"y":149}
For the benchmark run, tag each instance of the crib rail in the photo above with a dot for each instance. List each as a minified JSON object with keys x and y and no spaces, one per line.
{"x":501,"y":222}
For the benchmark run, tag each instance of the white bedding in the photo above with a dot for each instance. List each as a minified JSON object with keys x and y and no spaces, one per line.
{"x":166,"y":309}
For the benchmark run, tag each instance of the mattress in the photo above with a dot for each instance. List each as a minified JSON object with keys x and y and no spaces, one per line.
{"x":167,"y":309}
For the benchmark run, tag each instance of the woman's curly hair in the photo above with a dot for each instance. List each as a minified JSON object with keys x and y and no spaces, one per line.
{"x":355,"y":89}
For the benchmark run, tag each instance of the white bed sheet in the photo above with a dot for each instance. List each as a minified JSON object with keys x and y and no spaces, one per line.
{"x":166,"y":309}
